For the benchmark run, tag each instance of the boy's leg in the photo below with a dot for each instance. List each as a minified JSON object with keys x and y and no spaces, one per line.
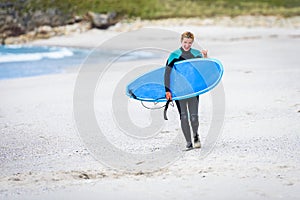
{"x":182,"y":109}
{"x":193,"y":105}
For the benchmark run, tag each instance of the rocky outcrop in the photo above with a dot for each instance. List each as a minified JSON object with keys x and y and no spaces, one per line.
{"x":17,"y":21}
{"x":9,"y":23}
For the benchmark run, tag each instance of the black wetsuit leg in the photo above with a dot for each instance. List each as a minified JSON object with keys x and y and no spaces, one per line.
{"x":188,"y":108}
{"x":193,"y":104}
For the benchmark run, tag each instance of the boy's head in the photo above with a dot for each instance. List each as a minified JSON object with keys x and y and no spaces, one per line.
{"x":188,"y":35}
{"x":187,"y":39}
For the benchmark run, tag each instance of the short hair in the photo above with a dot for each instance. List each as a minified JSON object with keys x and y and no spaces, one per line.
{"x":187,"y":34}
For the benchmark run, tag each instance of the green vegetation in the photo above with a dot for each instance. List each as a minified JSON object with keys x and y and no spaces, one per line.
{"x":155,"y":9}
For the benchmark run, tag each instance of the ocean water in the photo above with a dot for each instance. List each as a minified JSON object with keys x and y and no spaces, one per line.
{"x":24,"y":61}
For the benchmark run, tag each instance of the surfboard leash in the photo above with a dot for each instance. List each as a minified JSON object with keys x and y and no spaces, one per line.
{"x":132,"y":94}
{"x":166,"y":109}
{"x":166,"y":106}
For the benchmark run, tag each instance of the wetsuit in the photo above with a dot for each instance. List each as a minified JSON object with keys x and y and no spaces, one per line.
{"x":187,"y":108}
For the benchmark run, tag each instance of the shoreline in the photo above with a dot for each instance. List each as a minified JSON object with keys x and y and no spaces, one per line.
{"x":46,"y":32}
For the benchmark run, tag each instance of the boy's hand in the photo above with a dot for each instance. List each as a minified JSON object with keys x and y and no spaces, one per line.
{"x":204,"y":53}
{"x":168,"y":96}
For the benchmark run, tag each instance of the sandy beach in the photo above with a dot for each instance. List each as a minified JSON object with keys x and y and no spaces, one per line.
{"x":255,"y":156}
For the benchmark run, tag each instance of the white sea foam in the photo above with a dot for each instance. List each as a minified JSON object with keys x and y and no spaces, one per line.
{"x":56,"y":53}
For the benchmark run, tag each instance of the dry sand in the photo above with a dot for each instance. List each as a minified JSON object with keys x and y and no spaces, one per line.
{"x":257,"y":155}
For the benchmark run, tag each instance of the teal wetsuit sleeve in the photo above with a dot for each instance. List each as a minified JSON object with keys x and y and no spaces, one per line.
{"x":174,"y":56}
{"x":196,"y":53}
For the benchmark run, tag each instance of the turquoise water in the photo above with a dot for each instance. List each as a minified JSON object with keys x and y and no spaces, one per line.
{"x":24,"y":61}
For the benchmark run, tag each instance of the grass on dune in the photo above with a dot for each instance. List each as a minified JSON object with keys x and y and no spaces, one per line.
{"x":156,"y":9}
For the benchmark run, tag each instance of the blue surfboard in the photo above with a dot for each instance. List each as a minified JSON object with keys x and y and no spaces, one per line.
{"x":188,"y":78}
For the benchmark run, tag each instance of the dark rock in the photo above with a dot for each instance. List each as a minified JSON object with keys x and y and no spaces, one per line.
{"x":75,"y":19}
{"x":14,"y":21}
{"x":6,"y":4}
{"x":12,"y":30}
{"x":51,"y":17}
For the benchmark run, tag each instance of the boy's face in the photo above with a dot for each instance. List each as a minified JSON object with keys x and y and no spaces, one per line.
{"x":186,"y":43}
